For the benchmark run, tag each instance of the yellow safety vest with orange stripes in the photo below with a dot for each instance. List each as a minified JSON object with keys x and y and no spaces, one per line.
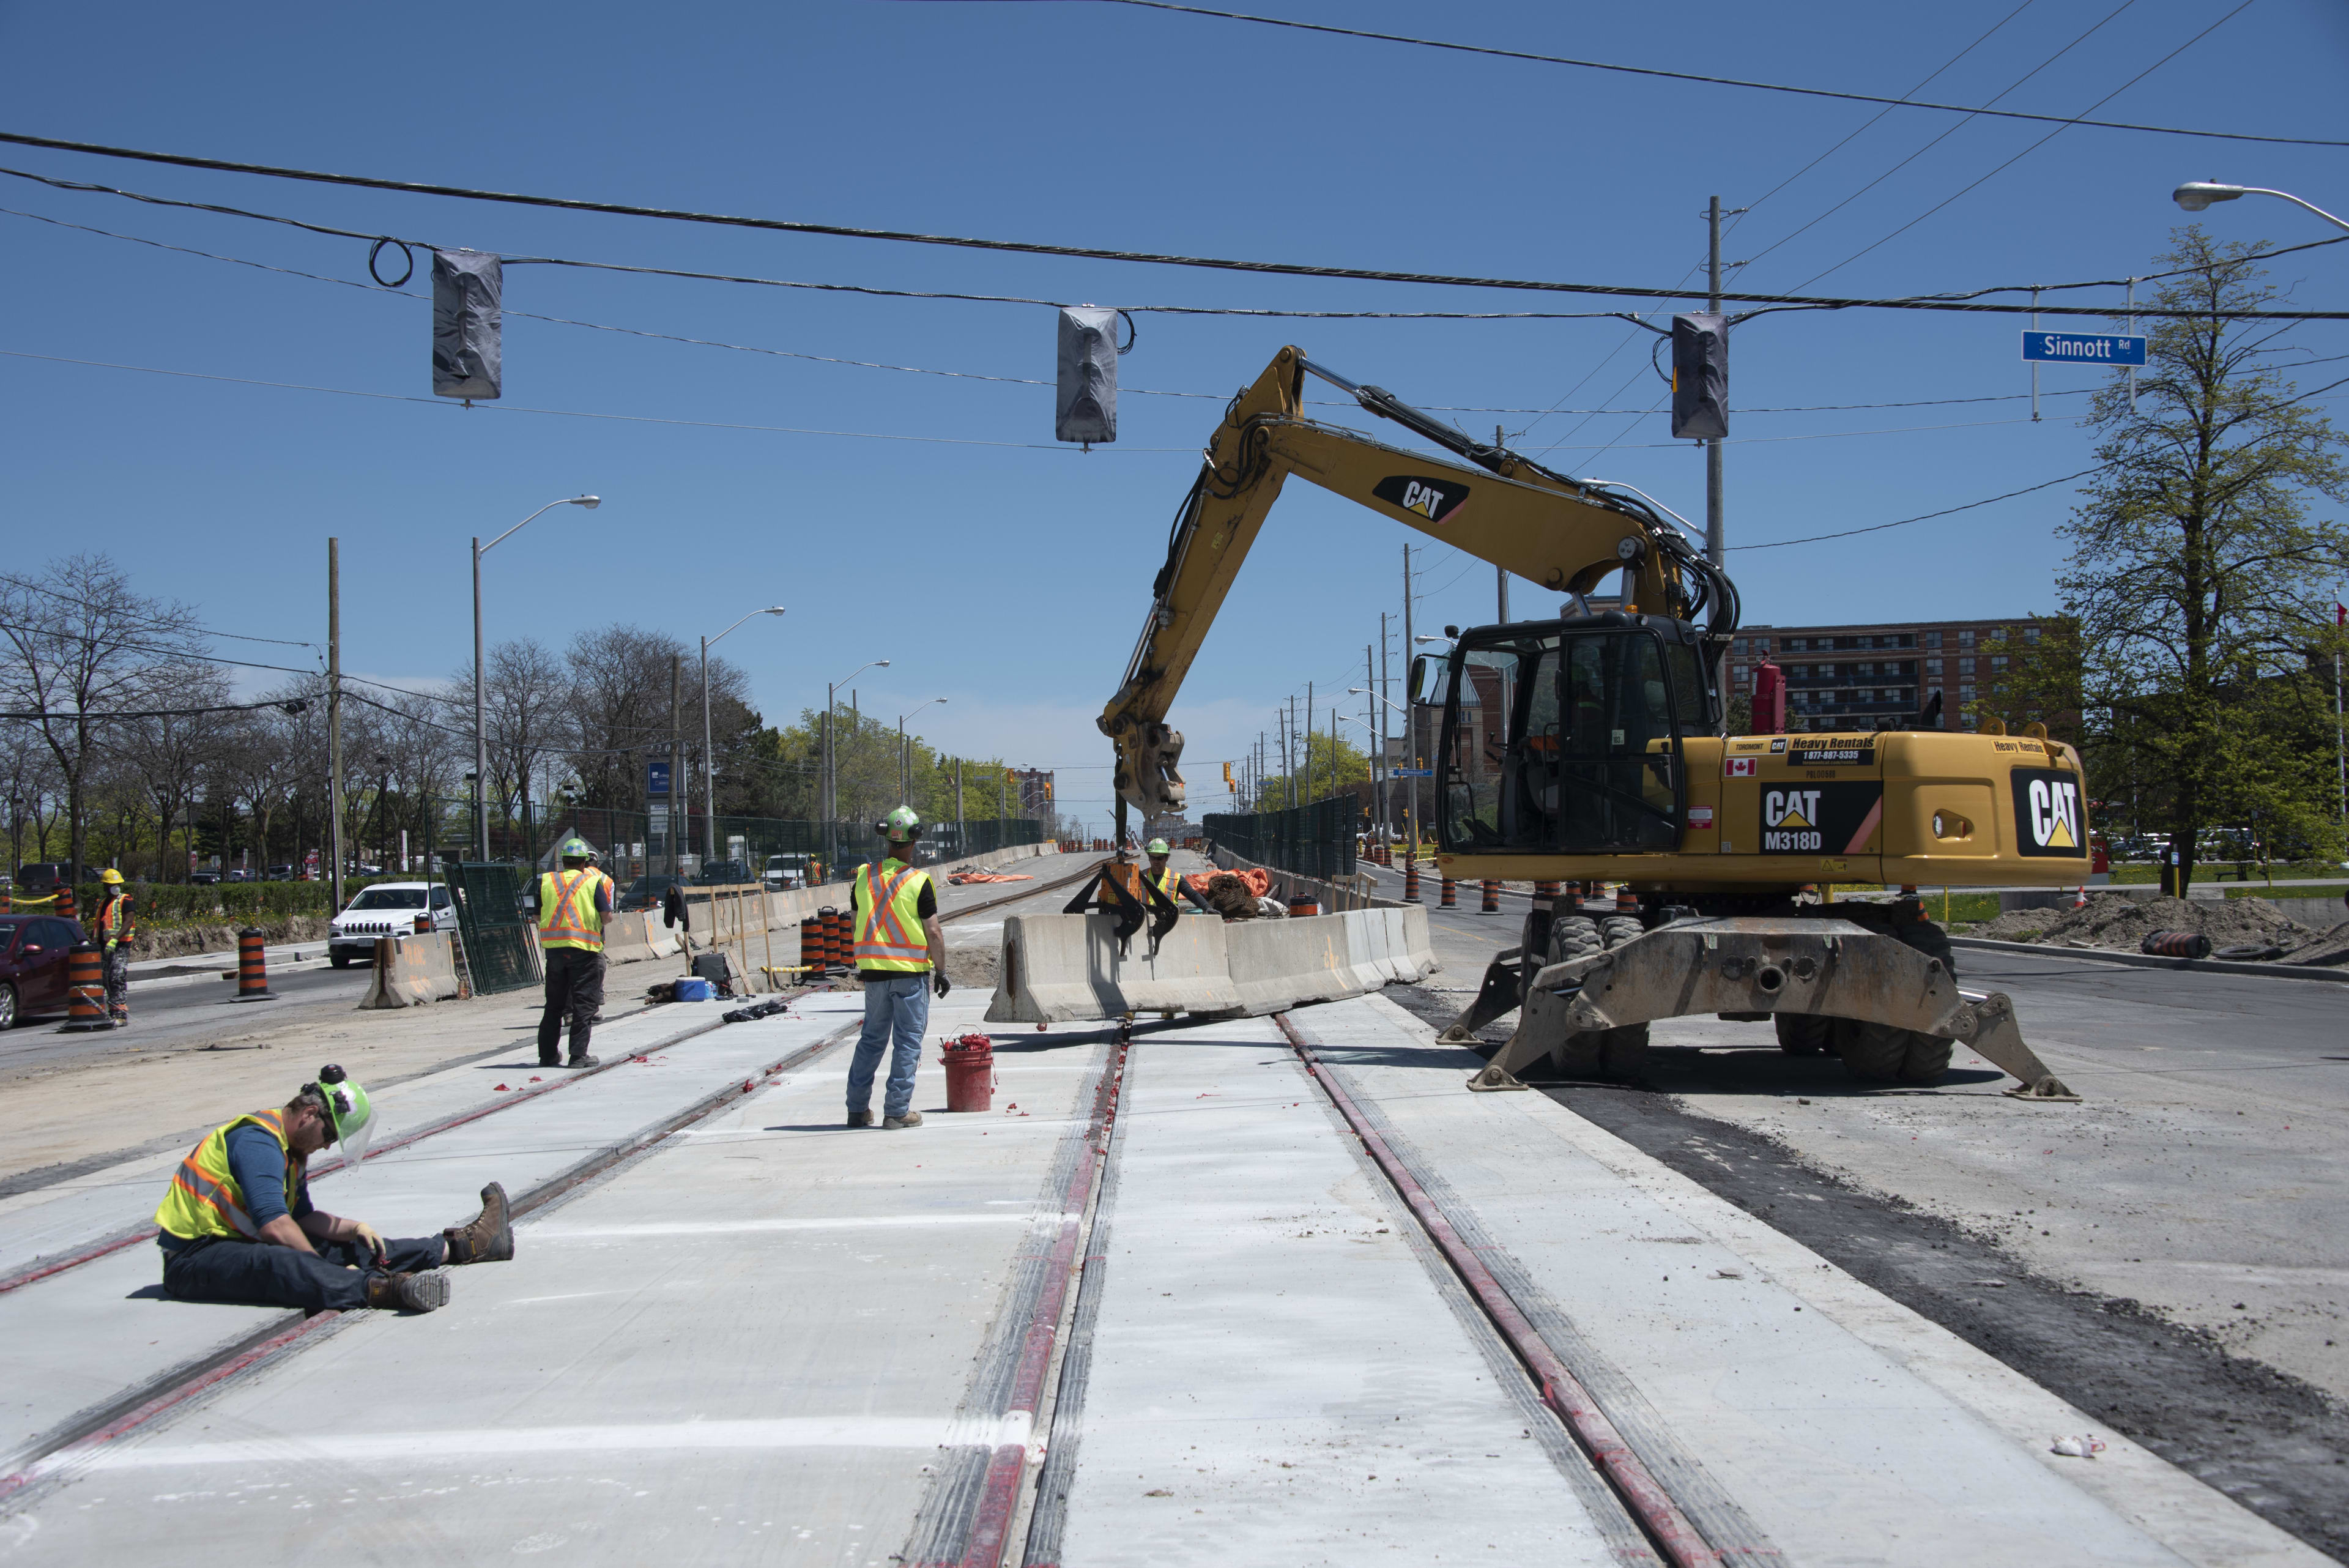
{"x":204,"y":1200}
{"x":889,"y":933}
{"x":1166,"y":882}
{"x":567,"y":915}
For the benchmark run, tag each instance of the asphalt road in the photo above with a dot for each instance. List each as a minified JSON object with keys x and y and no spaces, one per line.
{"x":197,"y":1012}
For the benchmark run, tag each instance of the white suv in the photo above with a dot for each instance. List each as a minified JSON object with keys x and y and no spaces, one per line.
{"x":388,"y":909}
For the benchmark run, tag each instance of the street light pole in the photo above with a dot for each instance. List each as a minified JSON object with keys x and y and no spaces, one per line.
{"x":830,"y":780}
{"x":903,"y":788}
{"x":709,"y":763}
{"x":480,"y":743}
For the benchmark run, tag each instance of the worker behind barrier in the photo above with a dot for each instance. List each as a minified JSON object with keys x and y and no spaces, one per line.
{"x":901,"y":954}
{"x":237,"y":1227}
{"x":573,"y":906}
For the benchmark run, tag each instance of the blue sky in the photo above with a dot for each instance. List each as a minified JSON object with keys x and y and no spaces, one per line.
{"x":992,"y":569}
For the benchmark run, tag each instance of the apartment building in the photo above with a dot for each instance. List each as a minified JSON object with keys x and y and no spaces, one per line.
{"x":1849,"y":677}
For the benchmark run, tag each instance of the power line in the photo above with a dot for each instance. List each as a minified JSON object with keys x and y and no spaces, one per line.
{"x":961,"y":374}
{"x":31,"y":586}
{"x":1719,"y":82}
{"x":1880,"y":527}
{"x":2027,"y":152}
{"x":1095,"y":253}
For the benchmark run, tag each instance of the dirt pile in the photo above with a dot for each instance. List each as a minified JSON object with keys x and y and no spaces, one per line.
{"x":2119,"y":923}
{"x":177,"y":941}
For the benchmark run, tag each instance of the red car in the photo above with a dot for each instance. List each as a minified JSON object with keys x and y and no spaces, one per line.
{"x":33,"y":953}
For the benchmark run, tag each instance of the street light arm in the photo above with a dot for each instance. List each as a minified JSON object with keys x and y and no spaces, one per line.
{"x":2196,"y":196}
{"x":775,"y":609}
{"x":868,"y":664}
{"x":2260,"y":191}
{"x":588,"y":501}
{"x":1366,"y":692}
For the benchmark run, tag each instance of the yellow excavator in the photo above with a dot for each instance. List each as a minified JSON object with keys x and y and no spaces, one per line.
{"x":1588,"y":748}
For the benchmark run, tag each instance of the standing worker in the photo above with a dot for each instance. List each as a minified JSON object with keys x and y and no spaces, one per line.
{"x":236,"y":1225}
{"x":573,"y":905}
{"x":891,"y":902}
{"x":115,"y":924}
{"x":1165,"y":880}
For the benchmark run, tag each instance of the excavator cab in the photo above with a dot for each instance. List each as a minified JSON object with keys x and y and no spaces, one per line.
{"x":1567,"y":736}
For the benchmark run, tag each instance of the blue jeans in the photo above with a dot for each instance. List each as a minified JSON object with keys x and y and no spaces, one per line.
{"x":899,"y":1006}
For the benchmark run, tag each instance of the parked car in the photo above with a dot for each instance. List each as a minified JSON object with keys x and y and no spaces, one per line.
{"x":40,"y":878}
{"x":242,"y":875}
{"x":203,"y":878}
{"x":281,"y":874}
{"x":386,"y":909}
{"x":786,"y":871}
{"x":646,"y":893}
{"x":33,"y":953}
{"x":722,"y":874}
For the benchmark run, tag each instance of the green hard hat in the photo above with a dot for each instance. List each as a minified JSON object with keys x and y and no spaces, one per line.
{"x":1158,"y":847}
{"x":904,"y":823}
{"x":350,"y":1115}
{"x":575,"y":849}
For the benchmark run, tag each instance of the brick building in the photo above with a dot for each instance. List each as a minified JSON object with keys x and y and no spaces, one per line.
{"x":1847,"y":677}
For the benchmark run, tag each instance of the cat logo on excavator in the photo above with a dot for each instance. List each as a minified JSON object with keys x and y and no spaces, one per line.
{"x":1433,"y":499}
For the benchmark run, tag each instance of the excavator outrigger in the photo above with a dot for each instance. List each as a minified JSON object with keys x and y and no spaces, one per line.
{"x":1589,"y":748}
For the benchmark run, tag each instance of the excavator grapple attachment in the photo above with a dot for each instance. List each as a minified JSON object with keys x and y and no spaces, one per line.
{"x":1889,"y":1001}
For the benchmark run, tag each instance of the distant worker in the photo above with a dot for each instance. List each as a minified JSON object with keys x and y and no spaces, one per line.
{"x":115,"y":924}
{"x":573,"y":905}
{"x":237,"y":1226}
{"x":1168,"y":881}
{"x":901,"y":954}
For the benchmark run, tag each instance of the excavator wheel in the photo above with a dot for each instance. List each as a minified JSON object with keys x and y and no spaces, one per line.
{"x":1576,"y":936}
{"x":1802,"y":1034}
{"x":1879,"y":1053}
{"x":1619,"y":1052}
{"x":1617,"y":930}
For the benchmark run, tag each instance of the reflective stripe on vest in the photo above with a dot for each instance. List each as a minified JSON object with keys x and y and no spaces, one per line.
{"x":567,"y":915}
{"x":204,"y":1200}
{"x":889,"y":934}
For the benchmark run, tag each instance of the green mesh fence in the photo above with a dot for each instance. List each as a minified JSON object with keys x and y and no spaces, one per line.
{"x":1316,"y":839}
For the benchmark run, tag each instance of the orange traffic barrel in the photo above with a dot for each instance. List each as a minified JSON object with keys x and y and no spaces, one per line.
{"x":827,"y":921}
{"x":1303,"y":904}
{"x":66,"y":908}
{"x":1450,"y":898}
{"x":86,"y":980}
{"x":812,"y":946}
{"x":1492,"y":903}
{"x":1627,"y":902}
{"x":1411,"y":880}
{"x":252,"y":968}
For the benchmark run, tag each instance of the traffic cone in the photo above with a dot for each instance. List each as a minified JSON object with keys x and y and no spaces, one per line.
{"x":1492,"y":903}
{"x":1451,"y":898}
{"x":252,"y":968}
{"x":86,"y":978}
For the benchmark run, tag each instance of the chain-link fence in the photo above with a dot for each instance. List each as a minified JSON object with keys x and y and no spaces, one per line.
{"x":1313,"y":840}
{"x":499,"y":952}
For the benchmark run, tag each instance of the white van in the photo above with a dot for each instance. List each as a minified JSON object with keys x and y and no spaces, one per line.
{"x":785,"y":871}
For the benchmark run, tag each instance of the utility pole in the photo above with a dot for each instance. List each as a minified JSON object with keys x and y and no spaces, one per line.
{"x":1716,"y":521}
{"x":1411,"y":707}
{"x":1501,"y":573}
{"x":1378,"y":722}
{"x":1309,"y":741}
{"x":678,"y":820}
{"x":334,"y":720}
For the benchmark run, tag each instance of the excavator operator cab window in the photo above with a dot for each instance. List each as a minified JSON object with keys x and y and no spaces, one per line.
{"x":1565,"y":736}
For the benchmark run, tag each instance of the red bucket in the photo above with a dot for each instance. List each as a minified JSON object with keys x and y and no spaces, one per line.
{"x":970,"y":1073}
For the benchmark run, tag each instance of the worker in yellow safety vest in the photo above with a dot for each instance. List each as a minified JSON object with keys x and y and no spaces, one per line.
{"x":115,"y":924}
{"x":901,"y":956}
{"x":573,"y":905}
{"x":236,"y":1225}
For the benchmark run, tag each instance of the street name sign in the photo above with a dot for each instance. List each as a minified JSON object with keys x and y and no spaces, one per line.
{"x":1413,"y":772}
{"x":2083,"y":347}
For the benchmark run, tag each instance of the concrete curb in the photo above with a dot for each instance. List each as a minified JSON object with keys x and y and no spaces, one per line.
{"x":2146,"y":960}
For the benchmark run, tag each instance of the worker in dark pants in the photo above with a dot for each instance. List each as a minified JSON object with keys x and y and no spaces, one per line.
{"x":237,"y":1227}
{"x":115,"y":924}
{"x":573,"y":905}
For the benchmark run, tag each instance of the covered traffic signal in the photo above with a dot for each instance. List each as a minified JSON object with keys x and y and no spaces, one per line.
{"x":1699,"y":376}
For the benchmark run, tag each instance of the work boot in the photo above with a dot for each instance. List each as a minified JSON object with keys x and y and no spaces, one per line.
{"x":584,"y":1060}
{"x":908,"y":1120}
{"x":860,"y":1119}
{"x":550,"y":1060}
{"x":490,"y":1238}
{"x":408,"y":1293}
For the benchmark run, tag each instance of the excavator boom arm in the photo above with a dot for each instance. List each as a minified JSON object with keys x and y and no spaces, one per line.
{"x":1536,"y":523}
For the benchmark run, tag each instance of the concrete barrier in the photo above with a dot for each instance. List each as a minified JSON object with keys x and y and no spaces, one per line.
{"x":411,"y":970}
{"x":628,"y":938}
{"x":1057,"y":969}
{"x":1281,"y":964}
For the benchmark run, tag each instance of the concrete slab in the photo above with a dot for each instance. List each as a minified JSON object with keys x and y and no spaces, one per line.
{"x":58,"y":1219}
{"x":80,"y":1339}
{"x":750,"y":1344}
{"x":1275,"y":1378}
{"x":1849,"y":1428}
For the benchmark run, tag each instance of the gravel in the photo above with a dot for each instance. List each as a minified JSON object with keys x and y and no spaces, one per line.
{"x":2116,"y":922}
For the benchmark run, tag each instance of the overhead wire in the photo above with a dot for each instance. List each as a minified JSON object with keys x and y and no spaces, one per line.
{"x":2009,"y":164}
{"x":1094,"y":253}
{"x":1921,"y":518}
{"x":1710,"y":80}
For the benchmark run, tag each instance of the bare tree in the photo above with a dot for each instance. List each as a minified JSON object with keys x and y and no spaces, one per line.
{"x":169,"y":752}
{"x":81,"y":646}
{"x":527,"y":697}
{"x":620,"y":711}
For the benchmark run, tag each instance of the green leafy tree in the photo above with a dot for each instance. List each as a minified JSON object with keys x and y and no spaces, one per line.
{"x":2198,"y":576}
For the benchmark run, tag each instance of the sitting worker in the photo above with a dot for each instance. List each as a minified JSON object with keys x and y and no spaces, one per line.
{"x":238,"y":1227}
{"x":1120,"y":889}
